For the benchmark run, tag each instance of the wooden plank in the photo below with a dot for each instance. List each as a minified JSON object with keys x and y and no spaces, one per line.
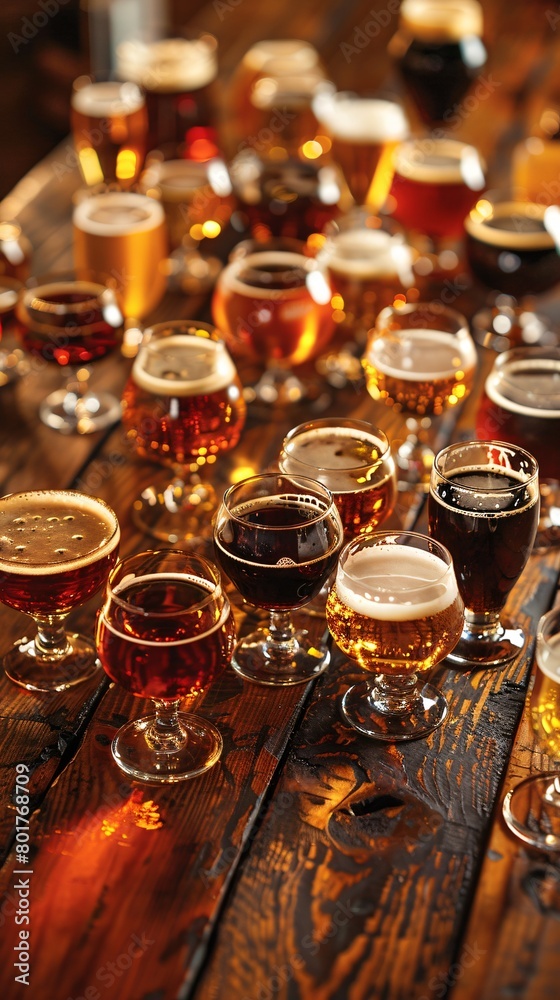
{"x":361,"y":886}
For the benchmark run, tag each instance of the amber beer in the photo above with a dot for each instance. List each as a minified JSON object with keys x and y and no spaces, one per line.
{"x":545,"y":696}
{"x":419,"y":370}
{"x":367,"y":268}
{"x":177,"y":76}
{"x":183,"y":402}
{"x":512,"y":246}
{"x":274,"y":305}
{"x":413,"y":627}
{"x":435,"y":183}
{"x":353,"y":460}
{"x":109,"y":125}
{"x":56,"y":550}
{"x":365,"y":133}
{"x":521,"y":404}
{"x":439,"y":52}
{"x":123,"y":234}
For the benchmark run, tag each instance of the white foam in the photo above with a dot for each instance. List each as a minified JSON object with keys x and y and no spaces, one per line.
{"x":187,"y":366}
{"x":266,"y":258}
{"x":118,"y":213}
{"x":363,"y":254}
{"x":361,"y":119}
{"x":440,"y":161}
{"x":168,"y":65}
{"x":106,"y":100}
{"x":411,"y":355}
{"x":396,"y":583}
{"x":317,"y":454}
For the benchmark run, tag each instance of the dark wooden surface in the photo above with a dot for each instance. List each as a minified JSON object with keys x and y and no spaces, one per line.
{"x":310,"y":863}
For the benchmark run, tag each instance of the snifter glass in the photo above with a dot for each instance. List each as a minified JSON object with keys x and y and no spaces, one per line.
{"x":165,"y":632}
{"x":512,"y":247}
{"x":484,"y":507}
{"x":73,"y":320}
{"x":395,"y":608}
{"x":183,"y":407}
{"x":532,"y":808}
{"x":420,"y":360}
{"x":277,"y":538}
{"x":56,"y":550}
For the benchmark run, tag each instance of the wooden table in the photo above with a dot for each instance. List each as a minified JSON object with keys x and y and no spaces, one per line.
{"x":309,"y":862}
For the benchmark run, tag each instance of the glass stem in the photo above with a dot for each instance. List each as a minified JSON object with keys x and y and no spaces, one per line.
{"x":280,"y":629}
{"x":394,"y":694}
{"x":51,"y":641}
{"x":166,"y":734}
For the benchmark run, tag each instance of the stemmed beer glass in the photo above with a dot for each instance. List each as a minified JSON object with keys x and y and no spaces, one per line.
{"x":56,"y":550}
{"x":395,"y":608}
{"x":165,"y":631}
{"x":73,"y":320}
{"x":183,"y":406}
{"x":532,"y":808}
{"x":420,"y":359}
{"x":484,"y":507}
{"x":277,"y":537}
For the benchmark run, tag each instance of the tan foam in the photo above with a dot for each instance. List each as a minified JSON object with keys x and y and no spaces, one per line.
{"x":106,"y":100}
{"x":198,"y":366}
{"x":118,"y":213}
{"x":169,"y":65}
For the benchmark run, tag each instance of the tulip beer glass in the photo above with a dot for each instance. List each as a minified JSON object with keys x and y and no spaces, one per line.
{"x":395,"y":609}
{"x":277,"y":538}
{"x":165,"y":632}
{"x":56,"y":550}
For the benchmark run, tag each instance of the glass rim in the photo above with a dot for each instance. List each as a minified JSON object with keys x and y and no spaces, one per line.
{"x":377,"y":539}
{"x":424,"y":307}
{"x":336,"y":422}
{"x":544,"y":623}
{"x":316,"y":487}
{"x":506,"y":445}
{"x":93,"y":291}
{"x":87,"y":499}
{"x":216,"y":592}
{"x":181,"y":327}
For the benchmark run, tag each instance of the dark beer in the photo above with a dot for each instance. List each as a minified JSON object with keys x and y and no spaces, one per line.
{"x":512,"y":246}
{"x":439,"y":52}
{"x":521,"y":404}
{"x":153,"y":641}
{"x":70,"y":322}
{"x":487,"y":517}
{"x":278,"y":550}
{"x":177,"y":76}
{"x":56,"y":550}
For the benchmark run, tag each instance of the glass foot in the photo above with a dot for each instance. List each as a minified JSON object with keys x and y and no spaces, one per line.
{"x":532,"y":811}
{"x":425,"y":711}
{"x":200,"y":751}
{"x":258,"y":659}
{"x":71,"y":414}
{"x":175,"y":513}
{"x":484,"y":649}
{"x":25,"y":666}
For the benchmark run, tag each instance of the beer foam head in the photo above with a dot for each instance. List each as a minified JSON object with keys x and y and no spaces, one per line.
{"x":440,"y":161}
{"x":51,"y":531}
{"x":281,"y":261}
{"x":342,"y":458}
{"x":105,"y":100}
{"x":366,"y":253}
{"x":118,"y":213}
{"x":396,"y":583}
{"x":281,"y":55}
{"x":183,"y":365}
{"x":178,"y":180}
{"x":529,"y":386}
{"x":421,"y":354}
{"x":434,"y":21}
{"x":352,"y":118}
{"x":170,"y":64}
{"x":514,"y":225}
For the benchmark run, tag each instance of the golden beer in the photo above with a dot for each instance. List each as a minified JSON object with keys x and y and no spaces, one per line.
{"x":545,"y":697}
{"x":123,"y":234}
{"x":109,"y":125}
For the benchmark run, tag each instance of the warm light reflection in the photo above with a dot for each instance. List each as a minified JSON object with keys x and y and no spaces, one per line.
{"x":126,"y":164}
{"x":90,"y":165}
